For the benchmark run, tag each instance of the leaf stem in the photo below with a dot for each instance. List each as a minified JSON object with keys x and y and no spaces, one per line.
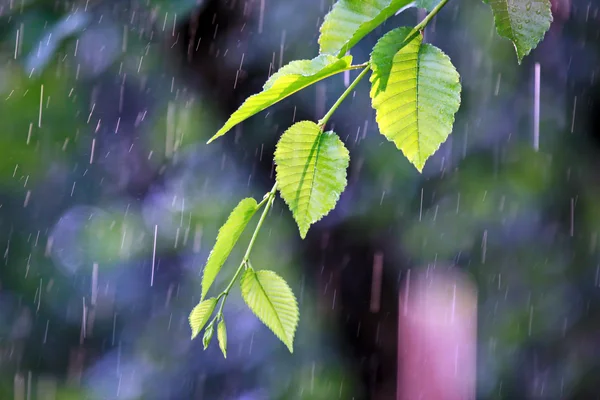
{"x":429,"y":16}
{"x":350,"y":88}
{"x":269,"y":198}
{"x":358,"y":66}
{"x":268,"y":202}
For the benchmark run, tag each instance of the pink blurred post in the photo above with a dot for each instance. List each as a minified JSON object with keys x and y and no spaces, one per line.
{"x":437,"y":336}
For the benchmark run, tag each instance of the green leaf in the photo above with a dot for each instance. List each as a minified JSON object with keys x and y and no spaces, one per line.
{"x":272,"y":301}
{"x":311,"y":172}
{"x":524,"y":22}
{"x":200,"y":315}
{"x":288,"y":80}
{"x":226,"y":239}
{"x":415,"y":92}
{"x":222,"y":337}
{"x":427,"y":4}
{"x":208,"y":334}
{"x":351,"y":20}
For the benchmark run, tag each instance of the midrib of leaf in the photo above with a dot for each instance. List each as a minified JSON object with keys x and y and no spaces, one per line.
{"x":505,"y":10}
{"x":316,"y":147}
{"x":417,"y":100}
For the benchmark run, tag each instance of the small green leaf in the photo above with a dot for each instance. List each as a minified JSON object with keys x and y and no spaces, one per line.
{"x":427,"y":4}
{"x":208,"y":334}
{"x":288,"y":80}
{"x":222,"y":337}
{"x":200,"y":315}
{"x":311,"y":172}
{"x":272,"y":301}
{"x":351,"y":20}
{"x":415,"y":92}
{"x":228,"y":235}
{"x":524,"y":22}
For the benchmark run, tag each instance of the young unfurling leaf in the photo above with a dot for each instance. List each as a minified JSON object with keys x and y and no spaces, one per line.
{"x":222,"y":337}
{"x":208,"y":334}
{"x":200,"y":315}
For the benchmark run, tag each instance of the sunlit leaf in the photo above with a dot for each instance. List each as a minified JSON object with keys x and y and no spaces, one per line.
{"x":351,"y":20}
{"x":272,"y":301}
{"x":415,"y":91}
{"x":524,"y":22}
{"x":200,"y":315}
{"x":288,"y":80}
{"x":226,"y":239}
{"x":222,"y":337}
{"x":311,"y":172}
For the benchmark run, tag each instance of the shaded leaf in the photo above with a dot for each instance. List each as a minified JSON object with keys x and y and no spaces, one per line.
{"x":222,"y":337}
{"x":415,"y":92}
{"x":200,"y":315}
{"x":427,"y":4}
{"x":272,"y":301}
{"x":69,"y":25}
{"x":228,"y":236}
{"x":311,"y":172}
{"x":208,"y":334}
{"x":524,"y":22}
{"x":176,"y":10}
{"x":351,"y":20}
{"x":288,"y":80}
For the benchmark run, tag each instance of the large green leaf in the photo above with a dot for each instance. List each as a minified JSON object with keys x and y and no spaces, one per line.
{"x":200,"y":315}
{"x":415,"y":91}
{"x":524,"y":22}
{"x":226,"y":239}
{"x":222,"y":337}
{"x":350,"y":20}
{"x":288,"y":80}
{"x":311,"y":172}
{"x":272,"y":301}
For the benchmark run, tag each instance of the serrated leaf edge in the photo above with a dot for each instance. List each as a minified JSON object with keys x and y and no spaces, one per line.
{"x":287,"y":341}
{"x":211,"y":303}
{"x":240,"y":207}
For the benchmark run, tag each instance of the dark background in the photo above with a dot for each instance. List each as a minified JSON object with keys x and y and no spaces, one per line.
{"x":131,"y":92}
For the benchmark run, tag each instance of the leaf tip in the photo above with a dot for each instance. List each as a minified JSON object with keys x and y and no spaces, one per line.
{"x":219,"y":133}
{"x":418,"y":163}
{"x":303,"y":232}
